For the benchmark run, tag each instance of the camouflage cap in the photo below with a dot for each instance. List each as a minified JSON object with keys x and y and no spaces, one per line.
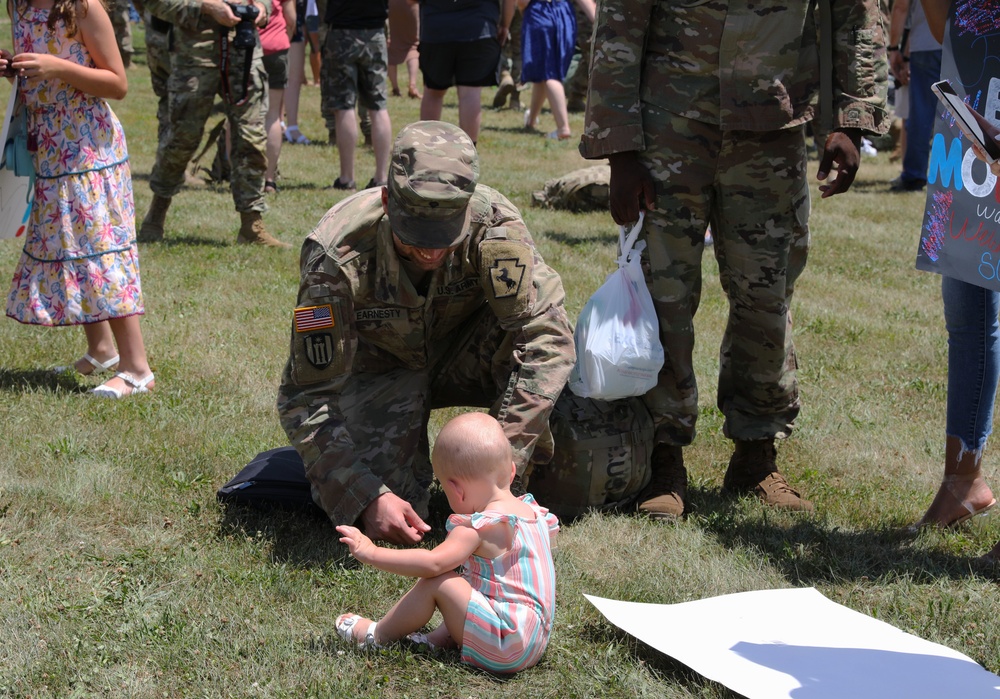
{"x":432,"y":175}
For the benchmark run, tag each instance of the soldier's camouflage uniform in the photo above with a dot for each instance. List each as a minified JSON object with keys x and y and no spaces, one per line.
{"x":121,"y":23}
{"x":715,"y":95}
{"x":193,"y":83}
{"x":371,"y":355}
{"x":158,"y":41}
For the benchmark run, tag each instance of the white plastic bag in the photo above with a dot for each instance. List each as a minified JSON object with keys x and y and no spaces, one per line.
{"x":617,"y":337}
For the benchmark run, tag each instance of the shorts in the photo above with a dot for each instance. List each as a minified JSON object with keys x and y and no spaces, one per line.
{"x":312,"y":23}
{"x":468,"y":63}
{"x":354,"y":69}
{"x":276,"y":65}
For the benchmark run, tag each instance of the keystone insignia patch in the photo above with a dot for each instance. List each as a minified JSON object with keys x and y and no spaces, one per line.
{"x":507,"y":275}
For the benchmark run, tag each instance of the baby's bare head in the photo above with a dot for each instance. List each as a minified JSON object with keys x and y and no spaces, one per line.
{"x":473,"y":446}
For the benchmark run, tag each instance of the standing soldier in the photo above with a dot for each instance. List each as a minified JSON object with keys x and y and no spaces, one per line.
{"x":702,"y":108}
{"x":209,"y":59}
{"x":426,"y":293}
{"x":121,"y":21}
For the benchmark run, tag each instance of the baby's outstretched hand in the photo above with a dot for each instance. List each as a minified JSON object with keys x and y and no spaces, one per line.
{"x":359,"y":544}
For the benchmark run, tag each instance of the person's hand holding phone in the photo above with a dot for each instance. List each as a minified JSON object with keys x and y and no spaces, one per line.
{"x":991,"y":132}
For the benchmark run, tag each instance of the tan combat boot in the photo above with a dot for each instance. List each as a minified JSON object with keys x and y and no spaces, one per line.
{"x":151,"y":230}
{"x":663,"y":497}
{"x":752,"y":470}
{"x":252,"y":232}
{"x":506,"y":89}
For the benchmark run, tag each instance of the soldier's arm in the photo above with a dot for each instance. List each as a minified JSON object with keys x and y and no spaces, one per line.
{"x":184,"y":13}
{"x":613,"y":122}
{"x":316,"y":375}
{"x":860,"y":67}
{"x":544,"y":353}
{"x":860,"y":84}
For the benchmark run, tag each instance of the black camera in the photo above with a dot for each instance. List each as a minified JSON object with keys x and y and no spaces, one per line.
{"x":246,"y":30}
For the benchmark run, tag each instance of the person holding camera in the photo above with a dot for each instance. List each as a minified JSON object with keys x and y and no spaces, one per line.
{"x":209,"y":58}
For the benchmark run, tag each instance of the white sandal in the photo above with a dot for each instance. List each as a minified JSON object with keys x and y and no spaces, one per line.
{"x":345,"y":629}
{"x":137,"y":386}
{"x":99,"y":367}
{"x":293,"y":135}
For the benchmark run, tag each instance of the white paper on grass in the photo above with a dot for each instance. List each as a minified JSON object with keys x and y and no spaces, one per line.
{"x":797,"y":644}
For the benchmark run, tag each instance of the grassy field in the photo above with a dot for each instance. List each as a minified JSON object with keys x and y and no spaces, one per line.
{"x":120,"y":576}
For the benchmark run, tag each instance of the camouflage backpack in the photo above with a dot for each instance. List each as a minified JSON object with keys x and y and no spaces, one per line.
{"x":581,"y":190}
{"x":602,"y":453}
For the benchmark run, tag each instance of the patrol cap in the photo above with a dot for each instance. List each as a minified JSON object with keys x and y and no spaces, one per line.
{"x":432,"y":175}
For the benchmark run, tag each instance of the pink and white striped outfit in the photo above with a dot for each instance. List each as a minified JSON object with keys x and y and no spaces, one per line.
{"x":513,"y":599}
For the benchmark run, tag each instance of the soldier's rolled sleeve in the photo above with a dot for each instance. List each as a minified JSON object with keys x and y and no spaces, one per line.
{"x":613,"y":120}
{"x":309,"y":409}
{"x":543,"y":358}
{"x":860,"y":66}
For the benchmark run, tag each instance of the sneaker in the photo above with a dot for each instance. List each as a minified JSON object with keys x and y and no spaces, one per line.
{"x":901,"y":185}
{"x":753,"y":471}
{"x":663,"y":497}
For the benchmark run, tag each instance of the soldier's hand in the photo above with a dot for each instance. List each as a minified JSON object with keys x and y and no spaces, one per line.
{"x":220,"y":12}
{"x":393,"y":519}
{"x":843,"y":149}
{"x":360,"y":545}
{"x":632,"y":187}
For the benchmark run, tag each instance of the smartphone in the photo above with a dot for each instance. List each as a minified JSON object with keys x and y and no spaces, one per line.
{"x":966,"y":120}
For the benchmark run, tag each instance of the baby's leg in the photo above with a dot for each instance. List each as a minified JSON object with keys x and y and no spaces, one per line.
{"x":448,"y":592}
{"x":440,"y":638}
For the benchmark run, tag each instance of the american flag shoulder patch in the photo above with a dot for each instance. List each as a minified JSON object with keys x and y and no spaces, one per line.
{"x":313,"y":318}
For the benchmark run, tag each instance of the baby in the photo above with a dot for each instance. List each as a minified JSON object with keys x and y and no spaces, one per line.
{"x":499,"y":608}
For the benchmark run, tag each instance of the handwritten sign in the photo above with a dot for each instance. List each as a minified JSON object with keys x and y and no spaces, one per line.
{"x":16,"y":193}
{"x":960,"y":236}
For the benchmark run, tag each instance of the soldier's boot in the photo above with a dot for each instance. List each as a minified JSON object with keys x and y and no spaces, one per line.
{"x":576,"y":104}
{"x":506,"y":89}
{"x":663,"y":497}
{"x":151,"y":229}
{"x":753,"y":471}
{"x":252,"y":232}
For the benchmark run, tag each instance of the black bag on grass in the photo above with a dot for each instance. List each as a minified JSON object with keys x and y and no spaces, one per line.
{"x":275,"y":478}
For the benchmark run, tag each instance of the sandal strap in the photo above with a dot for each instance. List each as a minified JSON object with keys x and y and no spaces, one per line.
{"x":138,"y":385}
{"x":101,"y":366}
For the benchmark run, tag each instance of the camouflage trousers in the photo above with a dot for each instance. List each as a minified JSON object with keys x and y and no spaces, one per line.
{"x":577,"y":81}
{"x":752,"y":188}
{"x":118,"y":11}
{"x":158,"y":60}
{"x":193,"y":85}
{"x":386,"y":415}
{"x":355,"y":72}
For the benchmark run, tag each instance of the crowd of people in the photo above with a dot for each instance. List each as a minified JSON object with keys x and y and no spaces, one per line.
{"x":425,"y":289}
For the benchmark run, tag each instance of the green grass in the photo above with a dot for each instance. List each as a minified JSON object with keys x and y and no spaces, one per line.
{"x":121,"y":577}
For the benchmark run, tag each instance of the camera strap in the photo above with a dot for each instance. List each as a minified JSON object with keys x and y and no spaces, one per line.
{"x":227,"y":92}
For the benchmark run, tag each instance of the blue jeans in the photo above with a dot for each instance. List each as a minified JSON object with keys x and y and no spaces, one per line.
{"x":973,"y":324}
{"x":925,"y":70}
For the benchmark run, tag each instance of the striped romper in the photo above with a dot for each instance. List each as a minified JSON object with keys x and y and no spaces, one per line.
{"x":510,"y":613}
